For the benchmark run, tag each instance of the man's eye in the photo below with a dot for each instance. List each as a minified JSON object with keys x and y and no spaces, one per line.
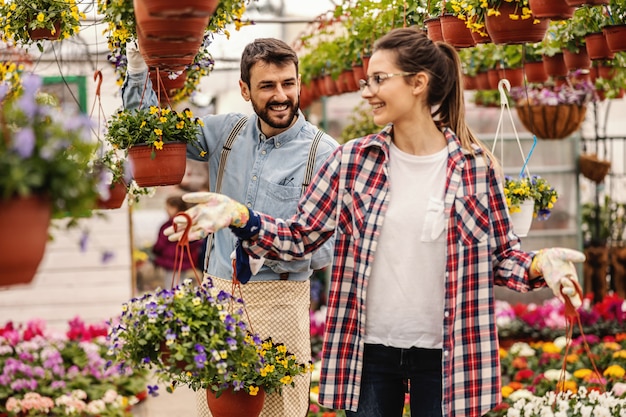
{"x":377,"y":79}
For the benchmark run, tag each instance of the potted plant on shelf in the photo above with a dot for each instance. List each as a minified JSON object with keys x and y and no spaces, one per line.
{"x":196,"y":336}
{"x":156,"y":141}
{"x":28,"y":22}
{"x":45,"y":157}
{"x":553,"y":111}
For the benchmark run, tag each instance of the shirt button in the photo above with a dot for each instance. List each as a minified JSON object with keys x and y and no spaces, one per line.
{"x":446,"y":314}
{"x":278,"y":144}
{"x":446,"y":353}
{"x":254,"y":178}
{"x":263,"y":152}
{"x":249,"y":205}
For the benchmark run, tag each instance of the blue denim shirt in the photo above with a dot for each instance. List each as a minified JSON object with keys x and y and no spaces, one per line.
{"x":264,"y":173}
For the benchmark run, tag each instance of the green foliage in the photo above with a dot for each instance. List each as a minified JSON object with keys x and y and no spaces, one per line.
{"x":154,"y":126}
{"x":360,"y":124}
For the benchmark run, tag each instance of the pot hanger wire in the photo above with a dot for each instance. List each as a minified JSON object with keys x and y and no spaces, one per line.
{"x":503,"y":85}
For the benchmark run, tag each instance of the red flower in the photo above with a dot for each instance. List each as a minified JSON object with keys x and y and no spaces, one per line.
{"x":523,"y":375}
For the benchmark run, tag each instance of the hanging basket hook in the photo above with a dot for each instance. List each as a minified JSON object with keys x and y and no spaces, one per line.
{"x":502,"y":84}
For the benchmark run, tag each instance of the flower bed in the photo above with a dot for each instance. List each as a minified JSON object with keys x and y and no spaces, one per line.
{"x":531,"y":365}
{"x":45,"y":373}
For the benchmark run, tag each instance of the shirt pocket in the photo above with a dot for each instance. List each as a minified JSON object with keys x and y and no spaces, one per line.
{"x":278,"y":200}
{"x":472,"y":213}
{"x":434,"y":221}
{"x":353,"y":216}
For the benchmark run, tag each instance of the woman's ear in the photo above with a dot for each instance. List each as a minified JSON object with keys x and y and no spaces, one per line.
{"x":420,"y":82}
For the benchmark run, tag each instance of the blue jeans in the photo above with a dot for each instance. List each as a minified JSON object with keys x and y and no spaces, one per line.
{"x":388,"y":373}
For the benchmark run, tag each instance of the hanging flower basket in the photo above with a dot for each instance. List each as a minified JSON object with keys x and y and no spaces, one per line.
{"x":593,"y":168}
{"x":235,"y":403}
{"x":181,"y":8}
{"x":503,"y":29}
{"x":598,"y":47}
{"x":615,"y":37}
{"x":523,"y":219}
{"x":39,"y":34}
{"x":455,"y":32}
{"x":551,"y":122}
{"x":152,"y":168}
{"x":551,"y":9}
{"x":117,"y":194}
{"x":433,"y":28}
{"x":24,"y":223}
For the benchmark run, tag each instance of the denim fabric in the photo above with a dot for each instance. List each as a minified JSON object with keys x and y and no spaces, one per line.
{"x":389,"y":372}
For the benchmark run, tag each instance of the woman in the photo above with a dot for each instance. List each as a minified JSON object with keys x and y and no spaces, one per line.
{"x":422,"y":233}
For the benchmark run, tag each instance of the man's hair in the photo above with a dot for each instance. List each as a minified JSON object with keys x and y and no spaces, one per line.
{"x":269,"y":50}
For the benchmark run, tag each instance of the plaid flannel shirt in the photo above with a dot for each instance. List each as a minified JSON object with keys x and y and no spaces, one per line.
{"x":348,"y":200}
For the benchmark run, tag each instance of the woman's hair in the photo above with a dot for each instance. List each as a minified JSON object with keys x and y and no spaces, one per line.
{"x":269,"y":50}
{"x":415,"y":52}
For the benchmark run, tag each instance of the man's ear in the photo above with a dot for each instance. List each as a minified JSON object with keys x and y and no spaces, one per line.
{"x":245,"y":90}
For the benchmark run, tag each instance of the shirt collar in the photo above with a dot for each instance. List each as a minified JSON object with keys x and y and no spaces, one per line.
{"x":285,"y":136}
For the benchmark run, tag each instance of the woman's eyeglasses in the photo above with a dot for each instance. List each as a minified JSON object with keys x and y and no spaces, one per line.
{"x":374,"y":81}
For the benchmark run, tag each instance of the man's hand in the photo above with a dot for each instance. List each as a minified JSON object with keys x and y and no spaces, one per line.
{"x":556,"y":265}
{"x":211,"y":213}
{"x":136,"y":64}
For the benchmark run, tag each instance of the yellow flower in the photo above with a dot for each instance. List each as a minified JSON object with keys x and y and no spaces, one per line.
{"x":40,"y":17}
{"x":188,"y":113}
{"x":163,"y":119}
{"x":253,"y":390}
{"x":200,"y":122}
{"x":143,"y":123}
{"x":550,"y":347}
{"x":506,"y":391}
{"x":203,"y":154}
{"x":582,"y":373}
{"x":154,"y":109}
{"x":158,"y":145}
{"x":158,"y":132}
{"x":620,"y":354}
{"x":615,"y":371}
{"x":286,"y":379}
{"x":180,"y":125}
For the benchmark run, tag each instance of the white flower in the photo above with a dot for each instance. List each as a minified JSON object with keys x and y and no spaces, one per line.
{"x":522,"y":349}
{"x":521,"y":394}
{"x":555,"y":375}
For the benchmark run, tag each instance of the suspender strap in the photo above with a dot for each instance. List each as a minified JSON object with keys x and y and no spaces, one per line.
{"x":228,"y":146}
{"x":310,"y":165}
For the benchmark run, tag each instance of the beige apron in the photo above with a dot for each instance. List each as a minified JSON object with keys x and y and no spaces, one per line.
{"x":279,"y":309}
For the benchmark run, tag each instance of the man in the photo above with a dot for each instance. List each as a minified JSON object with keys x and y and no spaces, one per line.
{"x":266,"y":169}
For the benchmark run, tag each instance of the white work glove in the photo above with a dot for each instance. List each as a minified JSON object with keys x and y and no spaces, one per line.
{"x":211,"y":213}
{"x":557,"y":268}
{"x":136,"y":64}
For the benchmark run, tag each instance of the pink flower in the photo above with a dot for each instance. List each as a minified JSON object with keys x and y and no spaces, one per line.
{"x":619,"y":389}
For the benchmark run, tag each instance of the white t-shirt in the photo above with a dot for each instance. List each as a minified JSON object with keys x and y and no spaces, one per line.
{"x":406,"y":287}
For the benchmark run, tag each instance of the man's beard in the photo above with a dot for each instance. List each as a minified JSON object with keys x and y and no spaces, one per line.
{"x":263,"y":113}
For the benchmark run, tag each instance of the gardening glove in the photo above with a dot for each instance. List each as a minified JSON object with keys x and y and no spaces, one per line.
{"x":213,"y":212}
{"x":136,"y":64}
{"x":557,"y":268}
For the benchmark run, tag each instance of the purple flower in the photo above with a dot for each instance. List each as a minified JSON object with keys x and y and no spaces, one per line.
{"x":24,"y":142}
{"x":153,"y":390}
